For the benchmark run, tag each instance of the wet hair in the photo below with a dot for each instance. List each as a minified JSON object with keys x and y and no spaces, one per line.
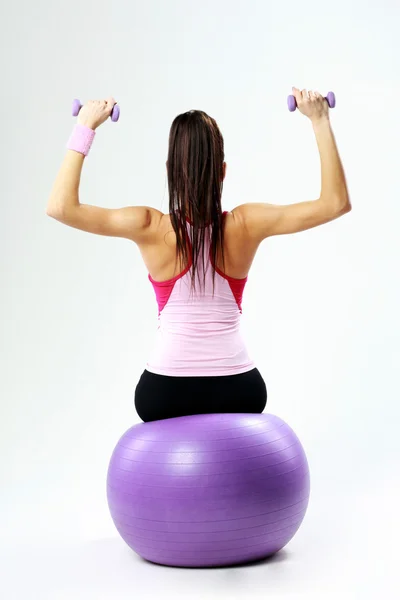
{"x":195,"y":183}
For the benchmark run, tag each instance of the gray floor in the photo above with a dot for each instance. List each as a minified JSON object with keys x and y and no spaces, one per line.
{"x":345,"y":550}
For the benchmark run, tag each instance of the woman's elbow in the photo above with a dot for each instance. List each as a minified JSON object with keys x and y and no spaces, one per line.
{"x":347,"y":207}
{"x":54,"y":211}
{"x":343,"y":206}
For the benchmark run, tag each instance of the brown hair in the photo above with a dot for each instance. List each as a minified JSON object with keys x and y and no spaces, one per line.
{"x":195,"y":183}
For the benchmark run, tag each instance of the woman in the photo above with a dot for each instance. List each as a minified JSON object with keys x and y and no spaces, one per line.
{"x":198,"y":257}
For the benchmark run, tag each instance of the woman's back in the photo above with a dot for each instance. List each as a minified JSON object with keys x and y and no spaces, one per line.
{"x":160,"y":256}
{"x":199,"y":330}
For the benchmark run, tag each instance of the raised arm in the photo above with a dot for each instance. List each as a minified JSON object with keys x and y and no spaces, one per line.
{"x":137,"y":223}
{"x":262,"y":220}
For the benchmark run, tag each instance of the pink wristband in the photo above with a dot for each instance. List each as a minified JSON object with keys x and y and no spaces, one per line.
{"x":81,"y":139}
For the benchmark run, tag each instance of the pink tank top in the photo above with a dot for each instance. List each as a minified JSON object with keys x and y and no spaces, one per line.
{"x":199,"y":334}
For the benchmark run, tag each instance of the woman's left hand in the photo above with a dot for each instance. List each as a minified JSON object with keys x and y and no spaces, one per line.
{"x":95,"y":112}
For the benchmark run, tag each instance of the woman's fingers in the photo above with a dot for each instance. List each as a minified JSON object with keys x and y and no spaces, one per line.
{"x":110,"y":102}
{"x":297,"y":94}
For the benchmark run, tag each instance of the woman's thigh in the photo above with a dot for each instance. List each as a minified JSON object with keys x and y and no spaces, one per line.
{"x":163,"y":397}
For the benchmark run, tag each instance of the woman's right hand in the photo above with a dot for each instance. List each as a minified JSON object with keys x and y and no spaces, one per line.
{"x":312,"y":104}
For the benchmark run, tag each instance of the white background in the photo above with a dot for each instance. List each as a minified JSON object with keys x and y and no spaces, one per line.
{"x":79,"y":315}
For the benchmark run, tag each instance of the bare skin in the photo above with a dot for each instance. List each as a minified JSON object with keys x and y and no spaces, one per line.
{"x":245,"y":227}
{"x":159,"y":257}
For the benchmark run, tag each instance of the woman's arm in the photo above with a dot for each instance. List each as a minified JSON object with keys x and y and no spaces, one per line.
{"x":263,"y":220}
{"x":137,"y":223}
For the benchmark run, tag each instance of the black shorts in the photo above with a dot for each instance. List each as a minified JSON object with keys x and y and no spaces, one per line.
{"x":163,"y":397}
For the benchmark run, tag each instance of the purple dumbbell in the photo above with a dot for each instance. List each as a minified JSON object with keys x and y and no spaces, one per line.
{"x":330,"y":98}
{"x":76,"y":107}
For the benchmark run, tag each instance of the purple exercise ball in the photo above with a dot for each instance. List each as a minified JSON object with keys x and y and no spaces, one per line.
{"x":208,"y":490}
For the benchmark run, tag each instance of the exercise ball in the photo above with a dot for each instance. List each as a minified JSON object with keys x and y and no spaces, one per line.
{"x":208,"y":490}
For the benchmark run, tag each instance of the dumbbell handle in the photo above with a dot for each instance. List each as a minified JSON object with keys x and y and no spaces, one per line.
{"x":76,"y":107}
{"x":330,"y":98}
